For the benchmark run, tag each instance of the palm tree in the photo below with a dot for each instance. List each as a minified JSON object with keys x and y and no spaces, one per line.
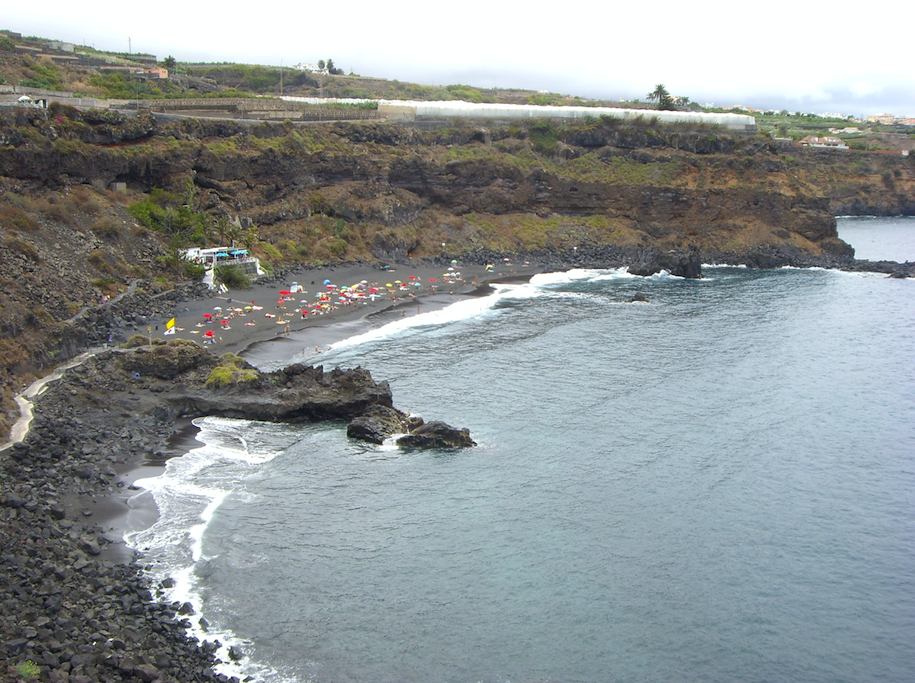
{"x":659,"y":94}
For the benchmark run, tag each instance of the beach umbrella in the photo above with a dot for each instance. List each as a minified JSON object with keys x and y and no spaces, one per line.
{"x":432,"y":279}
{"x":217,"y":308}
{"x":328,"y":286}
{"x":398,"y":282}
{"x":209,"y":333}
{"x":389,"y":285}
{"x":295,"y":283}
{"x":207,"y":315}
{"x":248,"y":308}
{"x":412,"y":277}
{"x":373,"y":290}
{"x":285,"y":292}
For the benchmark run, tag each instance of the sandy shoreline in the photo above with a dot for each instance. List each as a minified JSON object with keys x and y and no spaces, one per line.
{"x":423,"y":288}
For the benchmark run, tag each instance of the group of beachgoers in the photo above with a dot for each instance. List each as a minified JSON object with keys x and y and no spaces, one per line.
{"x":294,"y":303}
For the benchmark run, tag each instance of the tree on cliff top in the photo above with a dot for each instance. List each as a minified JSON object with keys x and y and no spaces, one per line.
{"x":661,"y":96}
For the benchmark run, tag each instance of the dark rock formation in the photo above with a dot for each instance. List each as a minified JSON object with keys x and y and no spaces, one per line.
{"x":688,"y":265}
{"x":377,"y":424}
{"x":436,"y":435}
{"x":380,"y":422}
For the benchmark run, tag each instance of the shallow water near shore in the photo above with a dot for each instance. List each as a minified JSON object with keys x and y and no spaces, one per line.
{"x":714,"y":485}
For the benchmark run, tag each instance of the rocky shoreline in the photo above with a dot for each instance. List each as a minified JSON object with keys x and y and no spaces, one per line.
{"x":71,"y":612}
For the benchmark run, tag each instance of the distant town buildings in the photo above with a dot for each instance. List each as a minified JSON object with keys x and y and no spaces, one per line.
{"x":891,"y":119}
{"x":156,"y":72}
{"x":733,"y":107}
{"x":824,"y":141}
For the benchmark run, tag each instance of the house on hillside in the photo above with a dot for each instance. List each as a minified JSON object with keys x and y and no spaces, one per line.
{"x":825,"y":141}
{"x":310,"y":68}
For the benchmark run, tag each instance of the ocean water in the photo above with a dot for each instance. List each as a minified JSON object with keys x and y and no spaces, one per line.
{"x":716,"y":485}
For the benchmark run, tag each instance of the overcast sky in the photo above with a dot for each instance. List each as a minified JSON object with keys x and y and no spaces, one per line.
{"x":776,"y":55}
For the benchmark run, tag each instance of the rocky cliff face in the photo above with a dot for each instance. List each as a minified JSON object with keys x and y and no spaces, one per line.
{"x":598,"y":194}
{"x":517,"y":189}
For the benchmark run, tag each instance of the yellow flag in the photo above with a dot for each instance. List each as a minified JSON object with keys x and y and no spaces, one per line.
{"x":170,"y":324}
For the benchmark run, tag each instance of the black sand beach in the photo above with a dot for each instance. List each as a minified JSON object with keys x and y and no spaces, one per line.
{"x":413,"y":289}
{"x":73,"y":518}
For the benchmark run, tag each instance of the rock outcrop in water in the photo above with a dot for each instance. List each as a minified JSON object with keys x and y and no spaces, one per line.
{"x":680,"y":264}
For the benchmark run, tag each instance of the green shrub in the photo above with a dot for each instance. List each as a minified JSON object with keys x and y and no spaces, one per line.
{"x":99,"y":259}
{"x":230,"y":371}
{"x":164,"y":212}
{"x":106,"y":228}
{"x":135,"y":341}
{"x":271,"y":250}
{"x":12,"y":218}
{"x":337,"y":248}
{"x":544,"y":136}
{"x":232,"y":277}
{"x":27,"y":670}
{"x":27,"y":249}
{"x":194,"y":271}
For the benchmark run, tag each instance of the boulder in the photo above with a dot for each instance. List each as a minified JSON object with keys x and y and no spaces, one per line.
{"x":377,"y":424}
{"x":682,"y":264}
{"x":437,"y":435}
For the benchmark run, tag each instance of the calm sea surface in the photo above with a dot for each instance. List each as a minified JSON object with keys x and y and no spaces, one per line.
{"x":716,"y":485}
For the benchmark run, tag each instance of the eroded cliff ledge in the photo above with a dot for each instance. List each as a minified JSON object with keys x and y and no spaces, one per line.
{"x":380,"y":190}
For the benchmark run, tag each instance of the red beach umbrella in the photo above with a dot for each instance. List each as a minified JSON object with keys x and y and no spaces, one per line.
{"x":285,"y":292}
{"x":413,"y":277}
{"x":207,"y":315}
{"x":209,"y":333}
{"x":373,"y":290}
{"x":432,"y":279}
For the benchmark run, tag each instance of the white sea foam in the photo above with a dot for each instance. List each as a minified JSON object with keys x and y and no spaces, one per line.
{"x":456,"y":312}
{"x":542,"y":285}
{"x":187,"y":495}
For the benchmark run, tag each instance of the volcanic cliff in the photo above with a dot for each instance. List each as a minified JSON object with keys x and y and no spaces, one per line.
{"x":92,"y":200}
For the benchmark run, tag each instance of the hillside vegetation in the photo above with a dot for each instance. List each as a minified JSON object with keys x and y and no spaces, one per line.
{"x":94,"y":200}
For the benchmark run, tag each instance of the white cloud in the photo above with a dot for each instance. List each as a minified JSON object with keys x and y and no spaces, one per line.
{"x":721,"y":52}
